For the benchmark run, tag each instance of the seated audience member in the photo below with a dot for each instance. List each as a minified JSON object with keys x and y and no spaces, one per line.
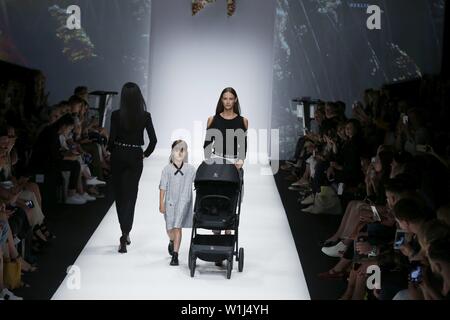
{"x":411,"y":215}
{"x":48,"y":155}
{"x":5,"y":294}
{"x":439,"y":258}
{"x":412,"y":132}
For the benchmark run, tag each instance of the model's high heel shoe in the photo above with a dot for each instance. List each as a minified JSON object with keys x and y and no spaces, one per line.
{"x":123,"y":244}
{"x":128,"y":240}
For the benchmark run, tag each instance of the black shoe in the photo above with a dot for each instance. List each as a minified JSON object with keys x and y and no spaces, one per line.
{"x":174,"y":261}
{"x":123,"y":244}
{"x":170,"y":247}
{"x":128,"y":240}
{"x":99,"y":195}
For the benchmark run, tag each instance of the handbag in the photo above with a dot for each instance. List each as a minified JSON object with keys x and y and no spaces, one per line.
{"x":12,"y":274}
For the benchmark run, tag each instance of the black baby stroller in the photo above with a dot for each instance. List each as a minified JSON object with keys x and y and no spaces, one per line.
{"x":217,"y":207}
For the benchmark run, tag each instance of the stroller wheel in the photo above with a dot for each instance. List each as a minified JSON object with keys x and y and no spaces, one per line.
{"x":241,"y":260}
{"x":229,"y":267}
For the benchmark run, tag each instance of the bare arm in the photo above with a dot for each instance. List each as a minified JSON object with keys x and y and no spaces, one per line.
{"x":162,"y":208}
{"x":206,"y":149}
{"x":240,"y":162}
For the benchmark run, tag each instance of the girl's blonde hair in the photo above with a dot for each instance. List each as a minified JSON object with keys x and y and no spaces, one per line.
{"x":179,"y":144}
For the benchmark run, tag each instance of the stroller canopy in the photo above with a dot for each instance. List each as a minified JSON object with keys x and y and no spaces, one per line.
{"x":210,"y":171}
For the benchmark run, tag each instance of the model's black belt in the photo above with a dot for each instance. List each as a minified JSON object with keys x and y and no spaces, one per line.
{"x":127,"y":145}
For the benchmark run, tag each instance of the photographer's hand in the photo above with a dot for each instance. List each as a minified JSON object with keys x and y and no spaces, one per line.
{"x":406,"y":250}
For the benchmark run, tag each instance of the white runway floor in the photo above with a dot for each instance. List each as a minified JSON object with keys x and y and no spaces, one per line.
{"x":272,"y":268}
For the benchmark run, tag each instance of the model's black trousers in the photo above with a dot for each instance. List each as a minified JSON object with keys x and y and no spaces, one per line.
{"x":126,"y":169}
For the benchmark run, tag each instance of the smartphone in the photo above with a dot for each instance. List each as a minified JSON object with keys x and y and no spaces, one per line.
{"x":376,"y":216}
{"x":373,"y":253}
{"x":340,"y":191}
{"x":400,"y":239}
{"x":416,"y":274}
{"x":405,"y":119}
{"x":29,"y":204}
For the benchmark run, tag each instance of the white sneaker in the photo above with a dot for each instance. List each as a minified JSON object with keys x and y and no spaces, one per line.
{"x":75,"y":199}
{"x":336,"y":252}
{"x":301,"y":182}
{"x":95,"y":182}
{"x":88,"y":197}
{"x":5,"y":294}
{"x":309,"y":199}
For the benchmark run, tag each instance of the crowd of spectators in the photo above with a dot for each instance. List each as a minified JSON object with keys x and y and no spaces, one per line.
{"x":386,"y":171}
{"x":65,"y":149}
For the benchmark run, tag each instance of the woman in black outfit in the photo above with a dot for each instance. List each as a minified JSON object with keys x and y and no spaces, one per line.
{"x":125,"y":143}
{"x":227,"y":119}
{"x":232,"y":128}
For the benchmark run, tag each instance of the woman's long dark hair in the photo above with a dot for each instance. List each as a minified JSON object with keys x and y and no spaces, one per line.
{"x":220,"y":106}
{"x":132,"y":106}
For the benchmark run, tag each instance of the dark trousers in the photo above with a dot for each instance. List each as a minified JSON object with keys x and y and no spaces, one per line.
{"x":75,"y":170}
{"x":96,"y":166}
{"x":299,"y":148}
{"x":320,"y":177}
{"x":126,"y":169}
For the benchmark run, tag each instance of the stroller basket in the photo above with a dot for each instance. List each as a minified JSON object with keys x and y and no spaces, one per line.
{"x":215,"y":212}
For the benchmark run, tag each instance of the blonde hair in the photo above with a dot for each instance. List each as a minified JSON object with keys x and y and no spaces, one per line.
{"x":177,"y":145}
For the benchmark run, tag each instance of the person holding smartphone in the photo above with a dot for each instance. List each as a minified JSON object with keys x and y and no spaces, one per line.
{"x":5,"y":294}
{"x":412,"y":132}
{"x":411,"y":215}
{"x":48,"y":156}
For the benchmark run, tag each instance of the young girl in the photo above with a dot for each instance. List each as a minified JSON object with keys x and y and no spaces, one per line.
{"x":175,"y":197}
